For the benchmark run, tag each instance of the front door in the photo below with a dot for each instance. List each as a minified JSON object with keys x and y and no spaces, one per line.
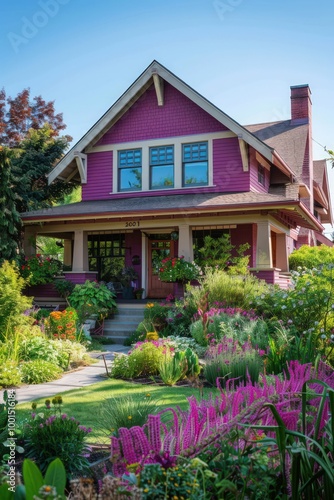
{"x":158,"y":249}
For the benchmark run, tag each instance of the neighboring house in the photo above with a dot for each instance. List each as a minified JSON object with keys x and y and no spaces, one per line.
{"x":164,"y":167}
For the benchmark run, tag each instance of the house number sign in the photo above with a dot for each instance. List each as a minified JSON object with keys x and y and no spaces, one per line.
{"x":133,"y":223}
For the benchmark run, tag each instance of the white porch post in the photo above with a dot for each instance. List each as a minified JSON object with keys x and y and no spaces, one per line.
{"x":68,"y":252}
{"x":80,"y":253}
{"x":29,"y":241}
{"x":282,"y":261}
{"x":263,"y":246}
{"x":186,"y":242}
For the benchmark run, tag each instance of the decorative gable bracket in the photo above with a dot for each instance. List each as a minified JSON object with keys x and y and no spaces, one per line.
{"x":159,"y":88}
{"x":81,"y":161}
{"x":244,"y":153}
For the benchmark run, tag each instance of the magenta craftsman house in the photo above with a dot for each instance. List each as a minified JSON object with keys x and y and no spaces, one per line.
{"x":164,"y":167}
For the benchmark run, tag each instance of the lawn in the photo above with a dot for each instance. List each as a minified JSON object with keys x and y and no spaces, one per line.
{"x":84,"y":403}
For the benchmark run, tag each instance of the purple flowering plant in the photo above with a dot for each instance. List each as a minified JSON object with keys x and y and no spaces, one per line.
{"x":49,"y":434}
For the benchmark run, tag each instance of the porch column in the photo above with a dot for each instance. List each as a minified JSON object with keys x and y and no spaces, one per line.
{"x":80,"y":252}
{"x":186,"y":242}
{"x":29,"y":241}
{"x":282,"y":261}
{"x":263,"y":246}
{"x":68,"y":252}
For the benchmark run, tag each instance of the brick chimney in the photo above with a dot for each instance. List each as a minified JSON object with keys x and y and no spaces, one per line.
{"x":301,"y":104}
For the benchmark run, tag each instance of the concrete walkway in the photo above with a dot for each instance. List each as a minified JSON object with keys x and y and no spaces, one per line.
{"x":74,"y":380}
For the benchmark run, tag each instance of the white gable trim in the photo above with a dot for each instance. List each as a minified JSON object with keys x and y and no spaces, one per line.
{"x":133,"y":93}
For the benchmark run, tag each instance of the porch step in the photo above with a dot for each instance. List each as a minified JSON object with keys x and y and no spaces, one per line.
{"x":125,"y":322}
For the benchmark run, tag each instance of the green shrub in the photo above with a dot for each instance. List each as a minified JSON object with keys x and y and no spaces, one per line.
{"x":311,"y":257}
{"x":233,"y":291}
{"x":70,"y":352}
{"x":305,"y":310}
{"x":220,"y":253}
{"x":9,"y":373}
{"x":38,"y":371}
{"x":155,"y":315}
{"x":125,"y":411}
{"x":146,"y":359}
{"x":172,"y":368}
{"x":38,"y":347}
{"x":123,"y":367}
{"x":12,"y":302}
{"x":92,"y":298}
{"x":159,"y":482}
{"x":52,"y":434}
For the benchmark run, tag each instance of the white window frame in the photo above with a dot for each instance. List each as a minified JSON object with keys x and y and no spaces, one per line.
{"x":177,"y":142}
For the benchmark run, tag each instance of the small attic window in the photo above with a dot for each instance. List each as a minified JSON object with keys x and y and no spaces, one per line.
{"x":260,"y":174}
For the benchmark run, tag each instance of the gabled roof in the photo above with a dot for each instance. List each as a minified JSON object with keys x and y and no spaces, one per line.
{"x":72,"y":163}
{"x":287,"y":138}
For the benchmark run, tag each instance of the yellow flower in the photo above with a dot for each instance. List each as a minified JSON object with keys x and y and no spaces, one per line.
{"x":149,"y":305}
{"x":129,"y":417}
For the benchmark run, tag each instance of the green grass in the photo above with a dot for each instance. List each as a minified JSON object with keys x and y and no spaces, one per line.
{"x":84,"y":403}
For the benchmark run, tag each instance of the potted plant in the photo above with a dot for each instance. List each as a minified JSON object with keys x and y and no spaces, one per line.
{"x":127,"y":277}
{"x":139,"y":293}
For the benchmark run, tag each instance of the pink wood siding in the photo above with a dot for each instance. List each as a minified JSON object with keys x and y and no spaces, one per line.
{"x":244,"y":234}
{"x":228,"y":175}
{"x":80,"y":278}
{"x":255,"y":185}
{"x":99,"y":176}
{"x":146,"y":120}
{"x":133,"y":243}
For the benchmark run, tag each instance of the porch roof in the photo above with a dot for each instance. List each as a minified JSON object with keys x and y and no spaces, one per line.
{"x":293,"y":212}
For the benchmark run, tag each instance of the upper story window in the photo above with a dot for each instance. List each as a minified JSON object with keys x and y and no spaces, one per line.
{"x":129,"y":170}
{"x":195,"y":164}
{"x":162,"y":167}
{"x":261,"y":174}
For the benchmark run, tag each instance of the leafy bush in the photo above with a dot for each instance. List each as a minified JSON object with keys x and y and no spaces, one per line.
{"x":37,"y":270}
{"x":92,"y":298}
{"x":306,"y":311}
{"x":158,"y":482}
{"x":38,"y":371}
{"x":125,"y":411}
{"x":220,"y":253}
{"x":123,"y":367}
{"x":70,"y":353}
{"x":146,"y":358}
{"x":155,"y":315}
{"x":311,"y":257}
{"x":38,"y":347}
{"x":232,"y":291}
{"x":9,"y":373}
{"x":183,"y":343}
{"x":173,"y":269}
{"x":12,"y":302}
{"x":64,"y":287}
{"x":52,"y":434}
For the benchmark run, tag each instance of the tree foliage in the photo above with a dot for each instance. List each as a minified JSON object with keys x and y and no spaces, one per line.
{"x":19,"y":114}
{"x":30,"y":146}
{"x":10,"y":222}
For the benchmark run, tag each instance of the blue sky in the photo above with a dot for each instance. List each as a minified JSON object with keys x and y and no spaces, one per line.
{"x":242,"y":55}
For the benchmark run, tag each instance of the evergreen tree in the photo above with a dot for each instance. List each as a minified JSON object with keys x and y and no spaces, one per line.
{"x":10,"y":222}
{"x":38,"y":153}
